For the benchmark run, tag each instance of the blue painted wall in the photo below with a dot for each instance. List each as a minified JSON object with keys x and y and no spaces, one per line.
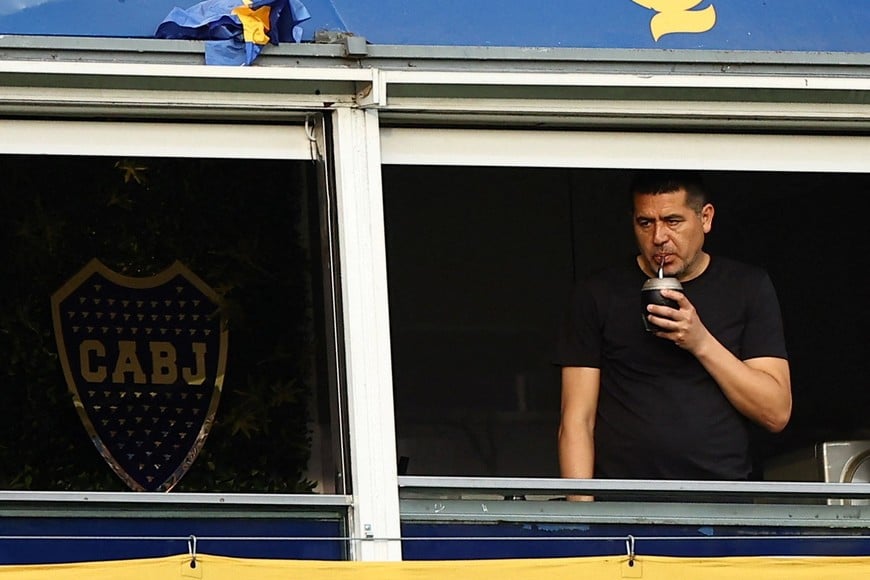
{"x":805,"y":25}
{"x":53,"y":540}
{"x":788,"y":25}
{"x":455,"y":541}
{"x":119,"y":18}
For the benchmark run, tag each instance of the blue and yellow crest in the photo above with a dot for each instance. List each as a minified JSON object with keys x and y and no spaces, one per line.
{"x":144,"y":359}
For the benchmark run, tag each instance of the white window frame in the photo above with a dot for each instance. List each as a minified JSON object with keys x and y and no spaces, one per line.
{"x":613,"y":149}
{"x":154,"y":139}
{"x":622,"y":149}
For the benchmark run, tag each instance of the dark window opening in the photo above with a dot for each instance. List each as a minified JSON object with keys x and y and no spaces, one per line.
{"x":480,"y":261}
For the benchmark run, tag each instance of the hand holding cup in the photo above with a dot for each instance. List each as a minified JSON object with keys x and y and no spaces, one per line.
{"x":651,"y":293}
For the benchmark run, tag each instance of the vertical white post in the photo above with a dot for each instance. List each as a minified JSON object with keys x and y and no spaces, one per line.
{"x":365,"y":312}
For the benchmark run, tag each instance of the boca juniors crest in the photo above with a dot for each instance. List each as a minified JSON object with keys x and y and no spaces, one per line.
{"x":144,"y":359}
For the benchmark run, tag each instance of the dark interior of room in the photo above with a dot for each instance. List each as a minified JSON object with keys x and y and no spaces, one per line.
{"x":480,"y":262}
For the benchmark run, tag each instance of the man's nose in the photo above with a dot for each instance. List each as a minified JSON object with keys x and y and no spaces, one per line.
{"x":660,"y":234}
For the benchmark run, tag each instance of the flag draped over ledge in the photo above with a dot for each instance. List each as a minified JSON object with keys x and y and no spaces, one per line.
{"x":236,"y":31}
{"x":210,"y":567}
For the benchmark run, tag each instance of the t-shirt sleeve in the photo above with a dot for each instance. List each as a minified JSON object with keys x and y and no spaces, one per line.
{"x":578,"y":340}
{"x":763,"y":335}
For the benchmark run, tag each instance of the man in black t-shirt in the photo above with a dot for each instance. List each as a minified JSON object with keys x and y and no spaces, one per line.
{"x":674,"y":403}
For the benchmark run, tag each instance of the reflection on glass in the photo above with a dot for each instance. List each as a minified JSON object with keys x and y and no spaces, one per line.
{"x":241,"y":226}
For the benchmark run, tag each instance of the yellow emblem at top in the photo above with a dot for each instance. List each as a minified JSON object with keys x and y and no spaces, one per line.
{"x":678,"y":16}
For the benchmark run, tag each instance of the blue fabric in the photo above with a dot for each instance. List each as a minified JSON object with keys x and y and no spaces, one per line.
{"x":215,"y":22}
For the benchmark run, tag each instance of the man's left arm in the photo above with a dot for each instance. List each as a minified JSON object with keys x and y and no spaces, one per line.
{"x":760,"y":388}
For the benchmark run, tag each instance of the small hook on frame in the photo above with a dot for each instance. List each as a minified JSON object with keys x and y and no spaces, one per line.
{"x":629,"y":548}
{"x":191,"y":548}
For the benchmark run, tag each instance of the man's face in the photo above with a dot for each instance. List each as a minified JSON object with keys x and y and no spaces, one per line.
{"x":671,"y":233}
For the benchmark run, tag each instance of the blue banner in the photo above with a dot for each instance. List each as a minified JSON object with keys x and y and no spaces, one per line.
{"x":125,"y":18}
{"x":785,"y":25}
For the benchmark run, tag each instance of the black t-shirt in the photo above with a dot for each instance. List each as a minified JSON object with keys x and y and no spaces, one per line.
{"x":660,"y":414}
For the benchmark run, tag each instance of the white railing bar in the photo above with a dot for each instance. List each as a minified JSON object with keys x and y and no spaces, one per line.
{"x":222,"y":499}
{"x":543,"y":486}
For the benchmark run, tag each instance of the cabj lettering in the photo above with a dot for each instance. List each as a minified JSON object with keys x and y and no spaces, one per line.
{"x":164,"y":366}
{"x":678,"y":16}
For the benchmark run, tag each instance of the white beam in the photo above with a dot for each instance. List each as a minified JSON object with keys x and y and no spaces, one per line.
{"x":119,"y":139}
{"x":366,"y":324}
{"x":621,"y":79}
{"x":603,"y":149}
{"x":183,"y":71}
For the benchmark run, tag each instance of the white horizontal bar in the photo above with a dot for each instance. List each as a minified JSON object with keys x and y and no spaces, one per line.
{"x":686,"y":111}
{"x":185,"y":70}
{"x":222,"y":141}
{"x":222,"y":499}
{"x":532,"y":486}
{"x":602,"y":149}
{"x":563,"y":79}
{"x":442,"y":538}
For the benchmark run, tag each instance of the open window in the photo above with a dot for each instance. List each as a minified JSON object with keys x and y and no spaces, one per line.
{"x":487,"y":230}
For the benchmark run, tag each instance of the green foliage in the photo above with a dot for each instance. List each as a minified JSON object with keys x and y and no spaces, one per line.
{"x":239,"y":225}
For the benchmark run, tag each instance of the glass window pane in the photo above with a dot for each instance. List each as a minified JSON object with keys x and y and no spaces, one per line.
{"x":249,"y":229}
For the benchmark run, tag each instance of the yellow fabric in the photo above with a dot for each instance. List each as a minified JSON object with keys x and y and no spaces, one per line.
{"x":255,"y":23}
{"x":647,"y":567}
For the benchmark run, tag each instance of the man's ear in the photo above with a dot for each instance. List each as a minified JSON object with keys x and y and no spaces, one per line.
{"x":707,"y":213}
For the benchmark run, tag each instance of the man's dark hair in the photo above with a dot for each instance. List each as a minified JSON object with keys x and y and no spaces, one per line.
{"x":657,"y":181}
